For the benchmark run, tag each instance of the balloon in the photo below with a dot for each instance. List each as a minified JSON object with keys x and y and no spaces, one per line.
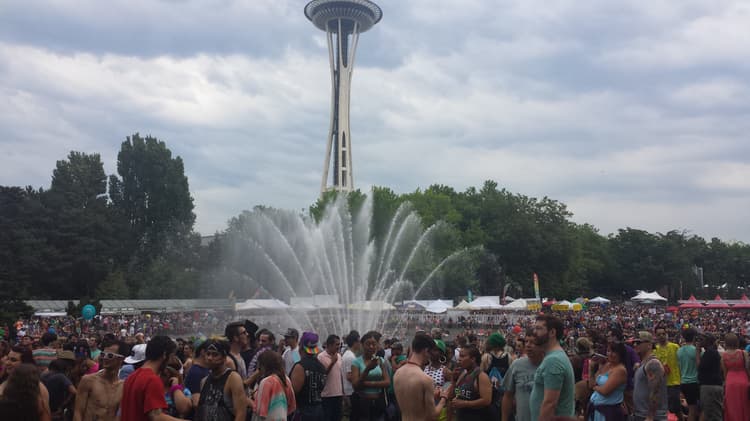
{"x":88,"y":312}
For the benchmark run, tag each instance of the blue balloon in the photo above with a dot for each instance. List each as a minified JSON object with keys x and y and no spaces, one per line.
{"x":88,"y":312}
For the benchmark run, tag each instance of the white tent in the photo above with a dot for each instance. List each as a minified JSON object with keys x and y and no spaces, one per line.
{"x":646,"y":297}
{"x":261,"y":304}
{"x":463,"y":305}
{"x":599,"y":300}
{"x":439,"y":306}
{"x":490,"y":302}
{"x":371,"y":306}
{"x":517,"y":305}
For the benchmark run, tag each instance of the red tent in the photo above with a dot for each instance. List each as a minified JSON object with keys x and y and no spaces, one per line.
{"x":692,"y":303}
{"x":718,"y":303}
{"x":745,"y":303}
{"x":549,"y":303}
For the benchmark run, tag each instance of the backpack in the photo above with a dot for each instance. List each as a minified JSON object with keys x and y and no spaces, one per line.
{"x":496,"y":373}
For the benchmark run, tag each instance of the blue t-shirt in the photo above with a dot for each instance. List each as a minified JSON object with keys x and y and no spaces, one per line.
{"x":376,"y":374}
{"x":194,"y":377}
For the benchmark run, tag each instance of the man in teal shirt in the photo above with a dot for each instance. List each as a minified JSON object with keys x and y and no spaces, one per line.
{"x":553,"y":393}
{"x":687,"y":357}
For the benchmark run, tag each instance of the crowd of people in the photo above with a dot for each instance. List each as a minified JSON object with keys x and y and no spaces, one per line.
{"x":602,"y":364}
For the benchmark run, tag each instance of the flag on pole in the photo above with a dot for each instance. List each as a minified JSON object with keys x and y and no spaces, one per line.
{"x":536,"y":287}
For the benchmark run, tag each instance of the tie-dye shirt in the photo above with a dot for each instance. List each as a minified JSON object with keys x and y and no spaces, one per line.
{"x":273,"y":400}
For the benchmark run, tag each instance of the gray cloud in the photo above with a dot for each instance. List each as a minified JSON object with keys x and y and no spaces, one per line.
{"x":634,"y":114}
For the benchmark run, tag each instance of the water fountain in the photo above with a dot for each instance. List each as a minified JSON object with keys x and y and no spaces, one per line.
{"x":287,"y":255}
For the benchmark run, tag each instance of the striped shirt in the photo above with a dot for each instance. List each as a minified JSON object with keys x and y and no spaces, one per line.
{"x":44,"y":356}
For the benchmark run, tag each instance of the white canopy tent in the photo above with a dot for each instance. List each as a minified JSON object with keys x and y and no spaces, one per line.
{"x":599,"y":300}
{"x":463,"y":305}
{"x":646,"y":297}
{"x":490,"y":302}
{"x":439,"y":306}
{"x":261,"y":304}
{"x":517,"y":305}
{"x":371,"y":306}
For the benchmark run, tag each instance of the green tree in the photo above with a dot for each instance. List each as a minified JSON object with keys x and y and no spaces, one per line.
{"x":81,"y":230}
{"x":152,"y":199}
{"x":113,"y":287}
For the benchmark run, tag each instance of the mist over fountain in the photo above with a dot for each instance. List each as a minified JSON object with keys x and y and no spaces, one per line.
{"x":286,"y":255}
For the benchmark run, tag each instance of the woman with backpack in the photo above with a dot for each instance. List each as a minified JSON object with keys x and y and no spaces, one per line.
{"x":495,"y":362}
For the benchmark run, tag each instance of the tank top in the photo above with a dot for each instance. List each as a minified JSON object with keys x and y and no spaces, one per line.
{"x":315,"y":381}
{"x":467,"y":389}
{"x":214,"y":404}
{"x":501,"y":363}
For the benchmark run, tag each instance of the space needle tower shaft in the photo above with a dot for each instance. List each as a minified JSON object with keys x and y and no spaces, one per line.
{"x":343,"y":21}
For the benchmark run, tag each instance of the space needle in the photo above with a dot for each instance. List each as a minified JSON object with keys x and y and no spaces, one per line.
{"x":343,"y":21}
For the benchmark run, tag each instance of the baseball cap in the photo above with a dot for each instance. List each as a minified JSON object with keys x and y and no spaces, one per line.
{"x":291,"y":333}
{"x":137,"y":354}
{"x":309,"y":343}
{"x":440,"y":345}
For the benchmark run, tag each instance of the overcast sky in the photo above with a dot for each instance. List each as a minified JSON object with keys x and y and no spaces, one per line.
{"x":634,"y":114}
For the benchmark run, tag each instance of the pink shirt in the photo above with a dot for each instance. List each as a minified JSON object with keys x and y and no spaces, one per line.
{"x":335,"y":380}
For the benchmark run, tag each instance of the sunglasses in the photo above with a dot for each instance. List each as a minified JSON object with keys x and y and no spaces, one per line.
{"x":110,"y":355}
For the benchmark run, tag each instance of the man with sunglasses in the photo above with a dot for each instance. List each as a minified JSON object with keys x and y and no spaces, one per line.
{"x":99,"y":394}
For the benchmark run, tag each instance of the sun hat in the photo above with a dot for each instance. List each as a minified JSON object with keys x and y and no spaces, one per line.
{"x":309,"y":343}
{"x":137,"y":354}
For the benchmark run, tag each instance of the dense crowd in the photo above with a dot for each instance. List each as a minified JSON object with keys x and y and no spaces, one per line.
{"x":602,"y":364}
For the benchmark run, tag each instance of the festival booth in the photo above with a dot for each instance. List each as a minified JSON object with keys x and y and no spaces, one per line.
{"x":743,"y":303}
{"x":269,"y":304}
{"x":517,"y":305}
{"x":691,"y":303}
{"x":439,"y":306}
{"x":566,"y":305}
{"x":717,"y":303}
{"x":644,"y":297}
{"x":599,"y":300}
{"x":489,"y":302}
{"x":371,"y":306}
{"x":413,"y":305}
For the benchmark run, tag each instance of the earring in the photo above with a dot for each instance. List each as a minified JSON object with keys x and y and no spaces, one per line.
{"x":443,"y":360}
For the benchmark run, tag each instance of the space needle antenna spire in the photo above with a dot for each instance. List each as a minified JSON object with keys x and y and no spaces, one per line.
{"x":343,"y":21}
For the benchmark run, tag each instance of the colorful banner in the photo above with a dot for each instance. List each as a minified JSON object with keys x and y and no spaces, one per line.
{"x":536,"y":288}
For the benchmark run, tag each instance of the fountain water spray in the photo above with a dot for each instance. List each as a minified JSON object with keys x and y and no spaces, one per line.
{"x":294,"y":258}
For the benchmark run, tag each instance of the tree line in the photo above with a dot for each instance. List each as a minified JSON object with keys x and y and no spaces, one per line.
{"x":131,"y":235}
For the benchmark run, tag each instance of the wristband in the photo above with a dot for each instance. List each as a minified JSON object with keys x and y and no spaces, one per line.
{"x":176,"y":387}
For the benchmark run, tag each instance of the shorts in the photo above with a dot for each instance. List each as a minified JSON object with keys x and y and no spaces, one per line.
{"x":673,"y":399}
{"x":692,"y":392}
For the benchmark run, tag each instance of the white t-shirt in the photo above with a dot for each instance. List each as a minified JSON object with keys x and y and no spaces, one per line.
{"x":346,"y":365}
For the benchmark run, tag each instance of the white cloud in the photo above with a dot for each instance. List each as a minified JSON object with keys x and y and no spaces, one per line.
{"x":627,"y":111}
